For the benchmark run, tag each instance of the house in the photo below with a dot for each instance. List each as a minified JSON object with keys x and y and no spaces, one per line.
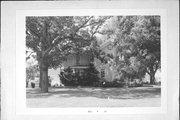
{"x":79,"y":62}
{"x":107,"y":70}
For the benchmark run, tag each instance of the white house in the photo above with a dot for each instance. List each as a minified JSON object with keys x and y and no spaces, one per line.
{"x":107,"y":70}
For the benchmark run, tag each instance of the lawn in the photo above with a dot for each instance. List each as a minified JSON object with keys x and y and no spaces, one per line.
{"x":94,"y":97}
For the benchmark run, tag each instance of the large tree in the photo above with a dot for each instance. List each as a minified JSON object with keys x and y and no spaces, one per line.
{"x":53,"y":38}
{"x":148,"y":35}
{"x":143,"y":40}
{"x":137,"y":37}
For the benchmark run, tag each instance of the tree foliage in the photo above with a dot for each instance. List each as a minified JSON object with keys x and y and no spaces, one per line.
{"x":137,"y":39}
{"x":31,"y":72}
{"x":90,"y":76}
{"x":53,"y":38}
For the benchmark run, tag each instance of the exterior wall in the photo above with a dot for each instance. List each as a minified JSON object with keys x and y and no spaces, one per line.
{"x":84,"y":60}
{"x":73,"y":60}
{"x":109,"y":70}
{"x":54,"y":75}
{"x":98,"y":65}
{"x":108,"y":74}
{"x":105,"y":48}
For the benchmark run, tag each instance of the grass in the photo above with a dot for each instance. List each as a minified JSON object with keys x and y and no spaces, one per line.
{"x":94,"y":97}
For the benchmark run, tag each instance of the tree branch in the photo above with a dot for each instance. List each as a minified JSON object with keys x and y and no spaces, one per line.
{"x":54,"y":44}
{"x":96,"y":30}
{"x":33,"y":46}
{"x":31,"y":52}
{"x":84,"y":24}
{"x":156,"y":67}
{"x":32,"y":32}
{"x":148,"y":71}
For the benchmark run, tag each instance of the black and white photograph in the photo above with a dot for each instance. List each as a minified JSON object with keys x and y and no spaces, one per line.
{"x":93,"y":61}
{"x":89,"y":60}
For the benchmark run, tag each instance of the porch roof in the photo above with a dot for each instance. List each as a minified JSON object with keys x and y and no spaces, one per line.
{"x":80,"y":67}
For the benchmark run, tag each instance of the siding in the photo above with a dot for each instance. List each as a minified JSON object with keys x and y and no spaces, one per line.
{"x":72,"y":61}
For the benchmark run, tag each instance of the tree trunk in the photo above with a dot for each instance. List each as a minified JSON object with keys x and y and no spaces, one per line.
{"x":152,"y":78}
{"x":151,"y":73}
{"x":44,"y":83}
{"x":40,"y":78}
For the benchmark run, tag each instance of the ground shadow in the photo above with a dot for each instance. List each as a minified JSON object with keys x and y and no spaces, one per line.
{"x":103,"y":93}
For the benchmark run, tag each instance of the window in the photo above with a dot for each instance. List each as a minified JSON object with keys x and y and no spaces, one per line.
{"x":110,"y":47}
{"x":102,"y":73}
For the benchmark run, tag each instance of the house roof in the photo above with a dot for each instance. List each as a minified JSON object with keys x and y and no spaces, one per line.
{"x":80,"y":67}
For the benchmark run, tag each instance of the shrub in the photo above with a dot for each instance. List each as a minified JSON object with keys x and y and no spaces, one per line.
{"x":88,"y":78}
{"x":114,"y":83}
{"x":32,"y":84}
{"x":135,"y":83}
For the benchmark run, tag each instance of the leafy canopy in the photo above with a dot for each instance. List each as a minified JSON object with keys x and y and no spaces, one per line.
{"x":53,"y":38}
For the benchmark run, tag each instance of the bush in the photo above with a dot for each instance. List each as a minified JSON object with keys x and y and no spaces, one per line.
{"x":32,"y":84}
{"x":68,"y":78}
{"x":135,"y":83}
{"x":88,"y":78}
{"x":114,"y":83}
